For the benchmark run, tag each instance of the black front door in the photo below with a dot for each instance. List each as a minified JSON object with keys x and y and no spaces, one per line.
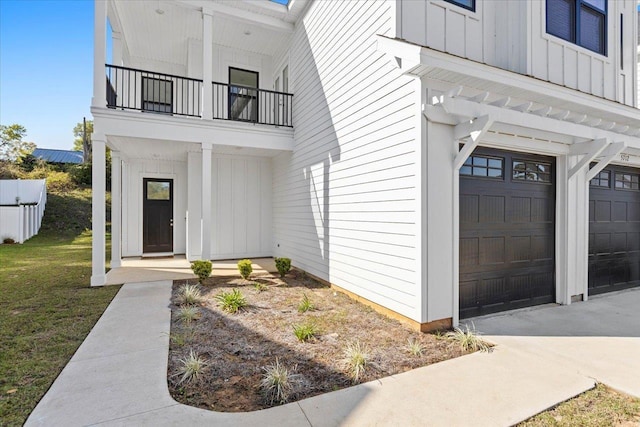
{"x":507,"y":231}
{"x":157,"y":222}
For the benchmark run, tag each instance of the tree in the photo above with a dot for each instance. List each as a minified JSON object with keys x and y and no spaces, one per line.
{"x":80,"y":143}
{"x":11,"y":144}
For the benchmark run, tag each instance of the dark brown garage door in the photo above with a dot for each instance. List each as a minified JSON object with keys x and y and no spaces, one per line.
{"x":507,"y":232}
{"x":614,"y":230}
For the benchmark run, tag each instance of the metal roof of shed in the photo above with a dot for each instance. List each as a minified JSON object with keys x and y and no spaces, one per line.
{"x":58,"y":156}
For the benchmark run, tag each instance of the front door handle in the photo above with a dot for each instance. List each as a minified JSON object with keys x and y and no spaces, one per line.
{"x":171,"y":222}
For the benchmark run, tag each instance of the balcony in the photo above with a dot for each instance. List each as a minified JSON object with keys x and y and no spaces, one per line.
{"x":159,"y":93}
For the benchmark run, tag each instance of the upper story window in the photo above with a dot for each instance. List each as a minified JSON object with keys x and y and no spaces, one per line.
{"x":583,"y":22}
{"x":467,"y":4}
{"x":157,"y":95}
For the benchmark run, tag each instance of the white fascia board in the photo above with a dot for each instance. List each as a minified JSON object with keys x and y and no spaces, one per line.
{"x":217,"y":9}
{"x":181,"y":129}
{"x":421,"y":59}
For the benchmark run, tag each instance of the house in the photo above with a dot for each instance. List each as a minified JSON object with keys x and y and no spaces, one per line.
{"x":51,"y":155}
{"x":437,"y":159}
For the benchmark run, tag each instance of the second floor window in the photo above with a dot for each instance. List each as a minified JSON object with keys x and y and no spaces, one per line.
{"x":467,"y":4}
{"x":157,"y":95}
{"x":583,"y":22}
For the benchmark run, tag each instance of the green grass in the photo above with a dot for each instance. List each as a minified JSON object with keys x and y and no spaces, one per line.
{"x":598,"y":407}
{"x":47,"y":306}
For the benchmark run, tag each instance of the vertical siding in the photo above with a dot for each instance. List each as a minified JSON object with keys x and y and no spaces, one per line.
{"x":241,"y":198}
{"x":133,"y":172}
{"x":512,"y":35}
{"x":344,"y":202}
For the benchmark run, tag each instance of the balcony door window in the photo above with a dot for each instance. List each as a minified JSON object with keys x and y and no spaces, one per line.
{"x":583,"y":22}
{"x":243,"y":95}
{"x":157,"y":95}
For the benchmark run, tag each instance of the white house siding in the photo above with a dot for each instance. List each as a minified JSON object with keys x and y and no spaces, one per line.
{"x":241,"y":198}
{"x":512,"y":35}
{"x":133,"y":172}
{"x":344,"y":202}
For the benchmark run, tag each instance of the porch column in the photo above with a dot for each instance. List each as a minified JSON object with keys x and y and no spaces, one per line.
{"x":116,"y":209}
{"x":99,"y":54}
{"x":98,"y":206}
{"x":206,"y":200}
{"x":207,"y":63}
{"x":116,"y":48}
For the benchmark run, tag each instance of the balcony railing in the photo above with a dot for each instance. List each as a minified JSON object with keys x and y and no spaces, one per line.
{"x":148,"y":91}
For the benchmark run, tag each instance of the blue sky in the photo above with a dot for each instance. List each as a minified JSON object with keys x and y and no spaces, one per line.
{"x":46,"y":63}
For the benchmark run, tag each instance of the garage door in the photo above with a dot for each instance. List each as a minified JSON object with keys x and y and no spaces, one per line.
{"x":614,"y":230}
{"x":507,"y":231}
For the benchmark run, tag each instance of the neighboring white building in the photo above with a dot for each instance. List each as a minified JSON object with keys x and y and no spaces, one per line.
{"x":439,"y":159}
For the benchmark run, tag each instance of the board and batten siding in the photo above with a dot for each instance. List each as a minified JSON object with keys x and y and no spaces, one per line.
{"x":512,"y":35}
{"x":241,"y":199}
{"x":344,"y":201}
{"x":133,"y":173}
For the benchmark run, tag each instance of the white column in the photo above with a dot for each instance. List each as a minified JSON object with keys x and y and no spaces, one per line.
{"x":98,"y":207}
{"x":116,"y":48}
{"x":99,"y":54}
{"x":116,"y":209}
{"x":206,"y":200}
{"x":207,"y":64}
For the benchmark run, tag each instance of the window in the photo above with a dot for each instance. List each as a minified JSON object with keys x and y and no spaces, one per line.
{"x":482,"y":166}
{"x":601,"y":180}
{"x":583,"y":22}
{"x":243,"y":95}
{"x":158,"y":190}
{"x":627,"y":181}
{"x":526,"y":170}
{"x":157,"y":95}
{"x":467,"y":4}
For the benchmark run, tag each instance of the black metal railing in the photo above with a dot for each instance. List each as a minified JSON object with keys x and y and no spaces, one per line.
{"x":141,"y":90}
{"x":133,"y":89}
{"x":247,"y":104}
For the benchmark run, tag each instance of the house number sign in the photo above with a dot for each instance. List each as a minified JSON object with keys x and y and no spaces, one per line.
{"x":624,"y":157}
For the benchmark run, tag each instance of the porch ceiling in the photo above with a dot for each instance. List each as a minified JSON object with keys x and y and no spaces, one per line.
{"x":164,"y":36}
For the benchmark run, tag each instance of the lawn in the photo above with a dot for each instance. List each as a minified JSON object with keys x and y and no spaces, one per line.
{"x":47,"y":305}
{"x":598,"y":407}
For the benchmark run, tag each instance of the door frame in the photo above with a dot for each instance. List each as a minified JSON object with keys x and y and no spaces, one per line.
{"x":257,"y":98}
{"x":144,"y":180}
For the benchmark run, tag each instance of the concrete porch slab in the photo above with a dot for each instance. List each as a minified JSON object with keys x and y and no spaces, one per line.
{"x":137,"y":270}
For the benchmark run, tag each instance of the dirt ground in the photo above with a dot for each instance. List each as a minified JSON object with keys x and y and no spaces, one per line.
{"x":236,"y":347}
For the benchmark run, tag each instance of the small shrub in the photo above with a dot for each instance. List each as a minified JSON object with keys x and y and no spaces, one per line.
{"x":245,"y":269}
{"x":277,"y":383}
{"x":189,"y":295}
{"x":181,"y":339}
{"x":305,"y":331}
{"x":8,"y":241}
{"x":356,"y":357}
{"x":59,"y":181}
{"x":202,"y":269}
{"x":305,"y":305}
{"x":260,"y":286}
{"x":81,"y":174}
{"x":191,"y":367}
{"x":469,"y":339}
{"x":231,"y":301}
{"x":414,"y":347}
{"x":188,"y":313}
{"x":283,"y":265}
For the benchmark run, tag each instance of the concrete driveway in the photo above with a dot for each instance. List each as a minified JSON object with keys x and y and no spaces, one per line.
{"x":599,"y":338}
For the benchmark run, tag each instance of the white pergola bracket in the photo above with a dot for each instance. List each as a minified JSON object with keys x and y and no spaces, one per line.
{"x":590,"y":149}
{"x":609,"y":154}
{"x":473,"y":130}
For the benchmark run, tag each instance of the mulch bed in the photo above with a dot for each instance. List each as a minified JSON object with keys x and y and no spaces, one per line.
{"x":237,"y":347}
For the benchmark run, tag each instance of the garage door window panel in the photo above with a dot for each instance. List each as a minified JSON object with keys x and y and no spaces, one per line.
{"x":602,"y":179}
{"x":627,"y":181}
{"x":484,"y":167}
{"x":524,"y":170}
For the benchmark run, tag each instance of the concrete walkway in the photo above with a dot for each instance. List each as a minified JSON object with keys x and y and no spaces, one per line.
{"x":118,"y":377}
